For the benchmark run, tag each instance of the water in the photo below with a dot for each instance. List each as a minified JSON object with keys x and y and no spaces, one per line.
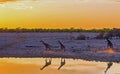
{"x":33,"y":65}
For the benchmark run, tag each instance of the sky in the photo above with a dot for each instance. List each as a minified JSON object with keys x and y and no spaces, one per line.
{"x":33,"y":65}
{"x":86,"y":14}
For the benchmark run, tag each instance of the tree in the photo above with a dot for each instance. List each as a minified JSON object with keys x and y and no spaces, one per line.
{"x":81,"y":37}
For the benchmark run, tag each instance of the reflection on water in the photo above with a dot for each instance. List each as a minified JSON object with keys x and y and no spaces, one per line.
{"x":33,"y":65}
{"x":62,"y":63}
{"x":47,"y":63}
{"x":108,"y":66}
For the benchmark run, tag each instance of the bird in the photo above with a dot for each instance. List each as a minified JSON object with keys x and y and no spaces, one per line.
{"x":62,"y":47}
{"x":109,"y":44}
{"x":47,"y":46}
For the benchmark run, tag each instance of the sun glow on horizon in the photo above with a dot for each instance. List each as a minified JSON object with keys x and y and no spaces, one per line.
{"x":86,"y":14}
{"x":108,"y":51}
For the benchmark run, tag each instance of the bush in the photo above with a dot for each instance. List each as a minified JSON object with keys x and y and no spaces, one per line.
{"x":81,"y":37}
{"x":100,"y":36}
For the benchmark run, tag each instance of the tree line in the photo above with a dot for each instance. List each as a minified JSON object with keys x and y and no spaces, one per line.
{"x":114,"y":33}
{"x":53,"y":30}
{"x":111,"y":34}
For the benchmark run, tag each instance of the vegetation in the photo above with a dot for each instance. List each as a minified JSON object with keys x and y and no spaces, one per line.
{"x":103,"y":33}
{"x":53,"y":30}
{"x":114,"y":33}
{"x":100,"y":35}
{"x":81,"y":37}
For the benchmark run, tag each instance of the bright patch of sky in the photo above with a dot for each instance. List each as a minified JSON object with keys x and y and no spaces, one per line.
{"x":30,"y":4}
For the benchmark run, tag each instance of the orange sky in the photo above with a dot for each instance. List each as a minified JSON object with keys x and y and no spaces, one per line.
{"x":32,"y":66}
{"x":60,"y":14}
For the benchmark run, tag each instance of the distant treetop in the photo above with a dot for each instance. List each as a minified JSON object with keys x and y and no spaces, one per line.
{"x":56,"y":30}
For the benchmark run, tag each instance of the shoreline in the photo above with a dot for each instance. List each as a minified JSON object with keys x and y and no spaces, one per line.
{"x":86,"y":55}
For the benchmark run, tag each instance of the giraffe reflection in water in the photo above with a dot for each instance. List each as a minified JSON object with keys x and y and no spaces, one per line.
{"x":62,"y":63}
{"x":47,"y":63}
{"x":108,"y":66}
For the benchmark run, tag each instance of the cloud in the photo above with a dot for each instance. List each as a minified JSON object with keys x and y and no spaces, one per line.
{"x":7,"y":0}
{"x":3,"y":1}
{"x":17,"y":4}
{"x":14,"y":0}
{"x":115,"y":0}
{"x":30,"y":4}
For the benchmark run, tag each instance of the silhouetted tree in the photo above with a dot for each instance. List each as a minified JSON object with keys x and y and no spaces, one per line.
{"x":100,"y":35}
{"x":81,"y":37}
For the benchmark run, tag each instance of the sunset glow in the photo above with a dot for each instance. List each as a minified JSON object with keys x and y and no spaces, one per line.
{"x":109,"y":51}
{"x":60,"y":13}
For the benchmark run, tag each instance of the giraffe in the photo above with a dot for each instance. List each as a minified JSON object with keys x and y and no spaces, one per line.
{"x":109,"y":44}
{"x":61,"y":46}
{"x":47,"y":46}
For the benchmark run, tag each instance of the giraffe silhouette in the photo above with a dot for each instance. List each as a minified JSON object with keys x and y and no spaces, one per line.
{"x":109,"y":44}
{"x":47,"y":46}
{"x":62,"y":47}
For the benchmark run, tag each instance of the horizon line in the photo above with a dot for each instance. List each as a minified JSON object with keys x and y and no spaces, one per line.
{"x":59,"y":28}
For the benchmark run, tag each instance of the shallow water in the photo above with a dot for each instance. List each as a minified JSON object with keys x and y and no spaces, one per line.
{"x":33,"y":65}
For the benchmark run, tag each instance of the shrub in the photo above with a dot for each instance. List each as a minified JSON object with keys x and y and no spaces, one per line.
{"x":100,"y":36}
{"x":81,"y":37}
